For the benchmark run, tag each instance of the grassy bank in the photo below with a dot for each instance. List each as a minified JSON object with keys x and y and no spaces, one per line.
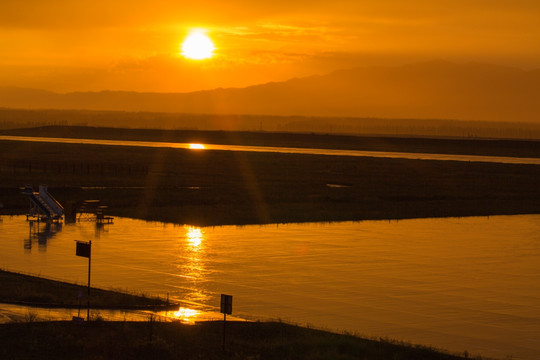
{"x":29,"y":290}
{"x":154,"y":340}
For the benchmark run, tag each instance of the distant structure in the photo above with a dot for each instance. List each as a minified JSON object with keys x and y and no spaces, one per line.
{"x":91,"y":210}
{"x":43,"y":207}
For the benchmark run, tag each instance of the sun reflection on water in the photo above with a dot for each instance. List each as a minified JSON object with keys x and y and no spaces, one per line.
{"x":194,"y":236}
{"x":186,"y":316}
{"x":192,"y":264}
{"x":197,"y":146}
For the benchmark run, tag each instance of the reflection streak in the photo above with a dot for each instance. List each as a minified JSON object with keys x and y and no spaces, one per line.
{"x":191,"y":264}
{"x":186,"y":316}
{"x":197,"y":146}
{"x":287,"y":150}
{"x":194,"y":236}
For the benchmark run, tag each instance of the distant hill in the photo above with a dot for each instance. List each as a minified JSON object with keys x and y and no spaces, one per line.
{"x":19,"y":118}
{"x":436,"y":89}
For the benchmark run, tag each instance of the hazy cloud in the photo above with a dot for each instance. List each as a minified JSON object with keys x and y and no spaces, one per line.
{"x":260,"y":41}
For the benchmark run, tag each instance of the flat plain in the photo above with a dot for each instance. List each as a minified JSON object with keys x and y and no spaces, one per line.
{"x":225,"y":187}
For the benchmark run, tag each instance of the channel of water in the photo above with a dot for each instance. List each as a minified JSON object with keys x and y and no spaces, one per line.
{"x":288,"y":150}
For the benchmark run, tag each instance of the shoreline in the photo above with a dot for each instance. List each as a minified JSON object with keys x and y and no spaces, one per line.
{"x":99,"y":307}
{"x":31,"y":290}
{"x":285,"y":222}
{"x":269,"y":336}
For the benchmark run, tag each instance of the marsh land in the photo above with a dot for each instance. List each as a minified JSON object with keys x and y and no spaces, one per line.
{"x":225,"y":187}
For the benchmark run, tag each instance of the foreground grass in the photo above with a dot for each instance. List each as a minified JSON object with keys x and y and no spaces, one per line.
{"x":24,"y":289}
{"x":154,"y":340}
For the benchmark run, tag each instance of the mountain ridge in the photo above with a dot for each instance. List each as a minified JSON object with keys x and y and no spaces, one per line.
{"x":434,"y":89}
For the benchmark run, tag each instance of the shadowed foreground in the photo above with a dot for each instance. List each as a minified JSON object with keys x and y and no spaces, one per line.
{"x":155,"y":340}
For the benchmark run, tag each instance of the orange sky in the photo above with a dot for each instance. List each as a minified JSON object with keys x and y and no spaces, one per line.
{"x":95,"y":45}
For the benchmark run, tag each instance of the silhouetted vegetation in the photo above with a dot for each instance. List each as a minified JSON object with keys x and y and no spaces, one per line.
{"x":157,"y":340}
{"x":18,"y":118}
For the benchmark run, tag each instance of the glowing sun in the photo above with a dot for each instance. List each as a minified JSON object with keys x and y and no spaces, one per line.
{"x":197,"y":46}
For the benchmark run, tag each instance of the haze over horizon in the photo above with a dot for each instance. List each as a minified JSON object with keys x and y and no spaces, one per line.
{"x":70,"y":46}
{"x":429,"y":90}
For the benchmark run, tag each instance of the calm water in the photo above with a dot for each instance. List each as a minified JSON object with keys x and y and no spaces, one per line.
{"x":330,"y":152}
{"x":456,"y":283}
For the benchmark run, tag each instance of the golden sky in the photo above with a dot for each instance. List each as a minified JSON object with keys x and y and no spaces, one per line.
{"x":63,"y":45}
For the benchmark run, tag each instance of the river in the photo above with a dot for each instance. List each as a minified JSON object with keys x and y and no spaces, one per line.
{"x":454,"y":283}
{"x":288,"y":150}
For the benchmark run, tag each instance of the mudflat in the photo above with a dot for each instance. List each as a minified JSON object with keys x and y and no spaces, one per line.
{"x":34,"y":291}
{"x":224,"y":187}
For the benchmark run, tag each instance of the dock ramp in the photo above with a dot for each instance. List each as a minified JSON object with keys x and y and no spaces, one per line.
{"x":43,"y":204}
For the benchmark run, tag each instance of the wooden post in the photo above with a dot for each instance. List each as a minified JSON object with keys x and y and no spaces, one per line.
{"x":88,"y":298}
{"x":84,"y":249}
{"x":226,"y":308}
{"x":224,"y":323}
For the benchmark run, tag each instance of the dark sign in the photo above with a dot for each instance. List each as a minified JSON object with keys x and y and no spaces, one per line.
{"x":78,"y":320}
{"x":226,"y":304}
{"x":83,"y":249}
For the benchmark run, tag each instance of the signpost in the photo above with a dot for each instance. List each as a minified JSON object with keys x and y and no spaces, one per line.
{"x":78,"y":319}
{"x":84,"y":249}
{"x":226,"y":308}
{"x":226,"y":305}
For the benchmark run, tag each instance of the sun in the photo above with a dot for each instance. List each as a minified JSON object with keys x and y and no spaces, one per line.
{"x":197,"y":46}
